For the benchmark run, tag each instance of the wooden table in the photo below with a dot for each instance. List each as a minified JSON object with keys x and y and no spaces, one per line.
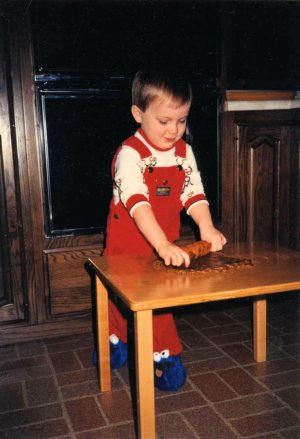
{"x":143,"y":289}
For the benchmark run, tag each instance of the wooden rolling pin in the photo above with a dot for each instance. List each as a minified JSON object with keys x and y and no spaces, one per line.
{"x":197,"y":249}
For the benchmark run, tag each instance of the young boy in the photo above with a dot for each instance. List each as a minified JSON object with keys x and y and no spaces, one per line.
{"x":155,"y":176}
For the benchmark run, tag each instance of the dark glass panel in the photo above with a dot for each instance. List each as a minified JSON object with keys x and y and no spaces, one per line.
{"x":81,"y":135}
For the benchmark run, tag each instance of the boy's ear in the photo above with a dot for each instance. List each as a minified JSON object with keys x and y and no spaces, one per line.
{"x":136,"y":113}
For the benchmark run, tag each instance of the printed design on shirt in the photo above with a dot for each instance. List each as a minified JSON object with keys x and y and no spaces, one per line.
{"x":190,"y":194}
{"x":118,"y":183}
{"x":188,"y":171}
{"x":187,"y":181}
{"x":149,"y":163}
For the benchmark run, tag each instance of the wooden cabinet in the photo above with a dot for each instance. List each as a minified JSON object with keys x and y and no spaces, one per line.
{"x":45,"y":288}
{"x":261,"y":176}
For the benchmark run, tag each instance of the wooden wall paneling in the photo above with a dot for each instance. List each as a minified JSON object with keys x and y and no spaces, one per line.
{"x":32,"y":195}
{"x":68,"y":283}
{"x":14,"y":297}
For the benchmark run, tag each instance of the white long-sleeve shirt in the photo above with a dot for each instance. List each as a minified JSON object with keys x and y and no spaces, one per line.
{"x":130,"y":167}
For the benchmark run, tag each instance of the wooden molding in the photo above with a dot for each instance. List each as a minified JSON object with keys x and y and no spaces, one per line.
{"x":259,"y":95}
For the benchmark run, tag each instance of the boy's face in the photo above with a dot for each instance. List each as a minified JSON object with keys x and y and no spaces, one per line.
{"x":164,"y":121}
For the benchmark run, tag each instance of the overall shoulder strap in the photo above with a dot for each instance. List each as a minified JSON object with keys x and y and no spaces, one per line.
{"x":134,"y":143}
{"x":138,"y":145}
{"x":180,"y":148}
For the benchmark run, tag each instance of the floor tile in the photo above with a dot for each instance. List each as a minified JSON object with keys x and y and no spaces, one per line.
{"x":291,"y":396}
{"x":65,"y":361}
{"x":41,"y":391}
{"x":43,"y":430}
{"x":272,"y":367}
{"x":212,"y":387}
{"x":239,"y":353}
{"x":291,"y":433}
{"x":116,"y":406}
{"x":209,"y":365}
{"x":84,"y":413}
{"x":208,"y":424}
{"x":124,"y":431}
{"x":240,"y":381}
{"x":173,"y":426}
{"x":193,"y":339}
{"x":248,"y":405}
{"x":8,"y":403}
{"x":283,"y":379}
{"x":178,"y":402}
{"x":275,"y":420}
{"x":30,"y":415}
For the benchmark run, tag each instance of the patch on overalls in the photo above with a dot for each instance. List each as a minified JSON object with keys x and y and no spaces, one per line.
{"x":163,"y":191}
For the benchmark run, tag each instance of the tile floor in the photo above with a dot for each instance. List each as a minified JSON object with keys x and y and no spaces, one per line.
{"x":48,"y":388}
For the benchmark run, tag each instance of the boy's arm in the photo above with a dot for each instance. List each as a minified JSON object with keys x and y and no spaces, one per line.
{"x":146,"y":222}
{"x":202,"y":217}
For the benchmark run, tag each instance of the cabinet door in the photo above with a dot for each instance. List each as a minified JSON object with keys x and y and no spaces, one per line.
{"x":259,"y":173}
{"x":261,"y":195}
{"x":12,"y":288}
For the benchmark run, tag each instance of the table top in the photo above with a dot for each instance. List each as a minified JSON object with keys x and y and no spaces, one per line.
{"x":136,"y":281}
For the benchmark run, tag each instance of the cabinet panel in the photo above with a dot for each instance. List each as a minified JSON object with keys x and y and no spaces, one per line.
{"x":68,"y":284}
{"x":261,"y":198}
{"x":263,"y":183}
{"x":258,"y":203}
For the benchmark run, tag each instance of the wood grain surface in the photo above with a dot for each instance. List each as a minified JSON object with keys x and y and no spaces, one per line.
{"x":142,"y":287}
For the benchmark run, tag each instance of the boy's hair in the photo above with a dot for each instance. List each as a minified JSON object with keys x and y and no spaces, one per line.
{"x":147,"y":85}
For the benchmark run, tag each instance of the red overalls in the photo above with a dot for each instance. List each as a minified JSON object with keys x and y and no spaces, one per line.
{"x":165,"y":186}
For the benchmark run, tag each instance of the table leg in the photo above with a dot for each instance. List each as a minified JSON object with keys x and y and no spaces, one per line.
{"x":145,"y":373}
{"x":260,"y":329}
{"x":103,"y":336}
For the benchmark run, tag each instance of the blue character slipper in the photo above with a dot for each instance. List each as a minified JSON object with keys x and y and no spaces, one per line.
{"x":118,"y":353}
{"x":169,"y":372}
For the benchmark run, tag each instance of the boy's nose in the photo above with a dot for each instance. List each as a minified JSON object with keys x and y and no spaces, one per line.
{"x":173,"y":129}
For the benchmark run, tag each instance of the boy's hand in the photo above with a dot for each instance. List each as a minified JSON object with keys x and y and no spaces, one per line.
{"x":214,"y":236}
{"x":172,"y":254}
